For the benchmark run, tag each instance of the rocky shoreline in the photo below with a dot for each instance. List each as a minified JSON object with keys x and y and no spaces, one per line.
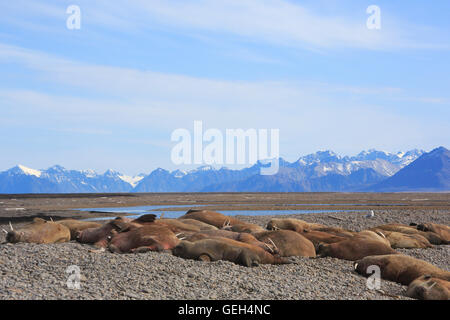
{"x":30,"y":271}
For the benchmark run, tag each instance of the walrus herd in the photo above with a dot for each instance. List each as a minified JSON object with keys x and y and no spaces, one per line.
{"x":210,"y":236}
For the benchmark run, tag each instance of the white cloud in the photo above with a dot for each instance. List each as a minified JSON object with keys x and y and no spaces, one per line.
{"x":93,"y":100}
{"x":277,"y":22}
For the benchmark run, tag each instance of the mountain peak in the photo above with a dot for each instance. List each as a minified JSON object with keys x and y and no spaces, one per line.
{"x":29,"y":171}
{"x":56,"y":168}
{"x":429,"y":172}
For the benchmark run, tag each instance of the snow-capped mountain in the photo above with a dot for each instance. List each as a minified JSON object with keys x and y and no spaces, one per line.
{"x":320,"y":171}
{"x":57,"y":179}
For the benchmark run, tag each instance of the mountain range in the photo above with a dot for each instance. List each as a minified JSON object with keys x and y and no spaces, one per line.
{"x":370,"y":170}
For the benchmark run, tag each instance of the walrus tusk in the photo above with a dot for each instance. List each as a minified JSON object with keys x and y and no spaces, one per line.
{"x":434,"y":283}
{"x":4,"y":231}
{"x":274,"y":245}
{"x":10,"y":225}
{"x":102,"y":249}
{"x":355,"y":266}
{"x":179,"y":234}
{"x":271,"y":250}
{"x":226,"y":224}
{"x":51,"y":219}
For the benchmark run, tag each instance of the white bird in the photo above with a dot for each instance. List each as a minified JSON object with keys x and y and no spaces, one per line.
{"x":371,"y":214}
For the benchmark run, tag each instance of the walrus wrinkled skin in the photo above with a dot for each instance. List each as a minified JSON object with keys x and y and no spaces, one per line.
{"x":201,"y":225}
{"x":220,"y":221}
{"x":372,"y":235}
{"x":151,"y":237}
{"x":244,"y":227}
{"x":442,"y":230}
{"x":288,"y":243}
{"x":225,"y":249}
{"x":40,"y":231}
{"x":178,"y":225}
{"x":100,"y":236}
{"x":354,"y":249}
{"x":296,"y":225}
{"x":432,"y":237}
{"x":400,"y":268}
{"x":429,"y":288}
{"x":238,"y":236}
{"x":340,"y":232}
{"x":76,"y":226}
{"x":400,"y":240}
{"x":318,"y":237}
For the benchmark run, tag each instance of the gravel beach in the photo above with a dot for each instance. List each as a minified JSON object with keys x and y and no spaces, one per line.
{"x":30,"y":271}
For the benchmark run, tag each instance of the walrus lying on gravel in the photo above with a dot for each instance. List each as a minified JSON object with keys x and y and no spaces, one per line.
{"x":442,"y":230}
{"x":237,"y":236}
{"x":150,"y":237}
{"x":201,"y":225}
{"x":77,"y":226}
{"x":244,"y":227}
{"x":100,"y":236}
{"x":400,"y":268}
{"x":429,"y":288}
{"x":318,"y":237}
{"x":340,"y":232}
{"x":288,"y":243}
{"x":220,"y":221}
{"x":39,"y":231}
{"x":432,"y":237}
{"x":178,"y":225}
{"x":296,"y":225}
{"x":398,"y":240}
{"x":372,"y":235}
{"x":354,"y":249}
{"x":225,"y":249}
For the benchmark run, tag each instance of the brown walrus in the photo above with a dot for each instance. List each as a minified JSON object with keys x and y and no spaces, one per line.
{"x":202,"y":225}
{"x":288,"y":243}
{"x":100,"y":236}
{"x":224,"y":249}
{"x":354,"y":249}
{"x":318,"y":237}
{"x":400,"y":268}
{"x":296,"y":225}
{"x":373,"y":235}
{"x":238,"y":236}
{"x":340,"y":232}
{"x":400,"y":240}
{"x":178,"y":225}
{"x":39,"y":231}
{"x":150,"y":237}
{"x":442,"y":230}
{"x":211,"y":217}
{"x":244,"y":227}
{"x":432,"y":237}
{"x":429,"y":288}
{"x":77,"y":226}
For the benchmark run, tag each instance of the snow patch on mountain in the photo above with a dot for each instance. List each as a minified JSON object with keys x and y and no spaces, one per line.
{"x":133,"y":181}
{"x":29,"y":171}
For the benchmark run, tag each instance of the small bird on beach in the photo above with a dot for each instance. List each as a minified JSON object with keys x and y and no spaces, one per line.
{"x":371,"y":214}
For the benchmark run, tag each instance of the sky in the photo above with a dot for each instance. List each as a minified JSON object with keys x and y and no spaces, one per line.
{"x":110,"y":94}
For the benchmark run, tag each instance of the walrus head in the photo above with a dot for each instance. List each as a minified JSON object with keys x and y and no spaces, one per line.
{"x":422,"y":227}
{"x":321,"y":248}
{"x":14,"y":236}
{"x":272,"y":226}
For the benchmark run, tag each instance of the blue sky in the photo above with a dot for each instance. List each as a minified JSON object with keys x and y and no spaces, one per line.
{"x":109,"y":94}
